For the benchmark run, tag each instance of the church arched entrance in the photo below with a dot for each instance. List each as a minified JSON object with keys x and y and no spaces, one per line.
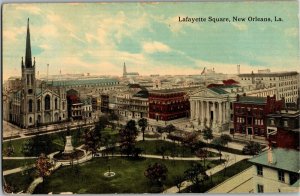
{"x":39,"y":119}
{"x":47,"y":117}
{"x":56,"y":117}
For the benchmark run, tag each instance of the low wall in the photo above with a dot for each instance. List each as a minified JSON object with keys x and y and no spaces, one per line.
{"x":239,"y":183}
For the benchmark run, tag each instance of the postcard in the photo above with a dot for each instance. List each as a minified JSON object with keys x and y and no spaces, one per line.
{"x":160,"y":97}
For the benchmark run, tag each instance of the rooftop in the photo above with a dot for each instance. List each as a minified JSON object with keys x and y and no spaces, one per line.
{"x":271,"y":74}
{"x":286,"y":159}
{"x":253,"y":100}
{"x":82,"y":82}
{"x":167,"y":91}
{"x":218,"y":90}
{"x":142,"y":94}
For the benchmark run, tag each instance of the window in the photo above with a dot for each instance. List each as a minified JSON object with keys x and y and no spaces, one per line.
{"x":55,"y":103}
{"x":281,"y":176}
{"x":30,"y":120}
{"x":259,"y":170}
{"x":285,"y":123}
{"x":27,"y":79}
{"x":260,"y":188}
{"x":47,"y":102}
{"x":293,"y":178}
{"x":30,"y":106}
{"x":38,"y":105}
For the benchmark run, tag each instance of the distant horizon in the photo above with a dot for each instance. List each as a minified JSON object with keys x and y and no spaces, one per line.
{"x":149,"y":39}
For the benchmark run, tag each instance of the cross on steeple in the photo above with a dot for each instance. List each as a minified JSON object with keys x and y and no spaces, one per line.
{"x":28,"y":59}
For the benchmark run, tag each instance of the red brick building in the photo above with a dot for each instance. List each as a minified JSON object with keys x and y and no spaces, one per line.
{"x":250,"y":114}
{"x":283,"y":129}
{"x":168,"y":104}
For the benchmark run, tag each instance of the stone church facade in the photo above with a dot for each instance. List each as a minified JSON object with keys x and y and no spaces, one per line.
{"x":35,"y":103}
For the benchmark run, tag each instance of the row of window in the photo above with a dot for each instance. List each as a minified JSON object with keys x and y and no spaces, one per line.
{"x":47,"y":104}
{"x":288,"y":83}
{"x":29,"y":79}
{"x":280,"y":174}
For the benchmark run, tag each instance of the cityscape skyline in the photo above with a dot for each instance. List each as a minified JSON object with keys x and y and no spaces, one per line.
{"x":158,"y":44}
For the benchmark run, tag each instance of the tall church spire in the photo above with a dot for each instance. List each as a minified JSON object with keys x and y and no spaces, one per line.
{"x":124,"y":70}
{"x":28,"y":60}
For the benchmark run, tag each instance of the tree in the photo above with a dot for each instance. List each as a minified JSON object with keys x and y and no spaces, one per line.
{"x":62,"y":135}
{"x":92,"y":140}
{"x":9,"y":149}
{"x":100,"y":126}
{"x":226,"y":138}
{"x":190,"y":140}
{"x":196,"y":174}
{"x":143,"y":123}
{"x":178,"y":181}
{"x":207,"y":134}
{"x":27,"y":147}
{"x":156,"y":173}
{"x":252,"y":148}
{"x":202,"y":153}
{"x":159,"y":129}
{"x":43,"y":166}
{"x":219,"y":143}
{"x":77,"y":136}
{"x":161,"y":150}
{"x":113,"y":117}
{"x":37,"y":145}
{"x":128,"y":135}
{"x":170,"y":128}
{"x":225,"y":163}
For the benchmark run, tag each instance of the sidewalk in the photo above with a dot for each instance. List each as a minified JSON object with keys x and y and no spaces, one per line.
{"x":233,"y":158}
{"x":18,"y":169}
{"x":18,"y":158}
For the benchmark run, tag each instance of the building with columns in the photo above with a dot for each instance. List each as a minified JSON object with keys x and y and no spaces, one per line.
{"x":210,"y":107}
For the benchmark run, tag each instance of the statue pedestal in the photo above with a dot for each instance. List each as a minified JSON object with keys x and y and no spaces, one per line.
{"x":68,"y":147}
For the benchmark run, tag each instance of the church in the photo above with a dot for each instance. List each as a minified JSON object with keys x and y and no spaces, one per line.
{"x":35,"y":103}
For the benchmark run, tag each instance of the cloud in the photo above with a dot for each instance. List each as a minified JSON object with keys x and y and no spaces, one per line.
{"x":152,"y":47}
{"x":240,"y":26}
{"x":10,"y":35}
{"x":291,"y":32}
{"x":29,"y":8}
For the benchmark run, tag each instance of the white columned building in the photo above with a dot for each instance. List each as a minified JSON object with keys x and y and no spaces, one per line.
{"x":211,"y":107}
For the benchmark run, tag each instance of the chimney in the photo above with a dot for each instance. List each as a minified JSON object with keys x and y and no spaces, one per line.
{"x":271,"y":156}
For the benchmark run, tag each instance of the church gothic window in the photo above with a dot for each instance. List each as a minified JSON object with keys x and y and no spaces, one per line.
{"x":27,"y":79}
{"x":38,"y":105}
{"x":55,"y":103}
{"x":47,"y":102}
{"x":30,"y":106}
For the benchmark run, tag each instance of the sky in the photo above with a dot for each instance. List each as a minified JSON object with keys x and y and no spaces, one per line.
{"x":97,"y":38}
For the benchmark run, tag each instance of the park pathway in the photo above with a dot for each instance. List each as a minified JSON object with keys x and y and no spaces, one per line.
{"x":232,"y":159}
{"x":18,"y":158}
{"x":18,"y":169}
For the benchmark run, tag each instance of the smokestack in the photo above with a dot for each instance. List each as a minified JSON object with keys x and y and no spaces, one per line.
{"x":47,"y":72}
{"x":271,"y":156}
{"x":238,"y":69}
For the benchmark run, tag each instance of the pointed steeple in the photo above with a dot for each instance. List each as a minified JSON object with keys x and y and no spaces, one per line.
{"x":28,"y":60}
{"x":124,"y":70}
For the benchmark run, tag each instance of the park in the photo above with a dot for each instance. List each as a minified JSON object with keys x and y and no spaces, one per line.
{"x":116,"y":158}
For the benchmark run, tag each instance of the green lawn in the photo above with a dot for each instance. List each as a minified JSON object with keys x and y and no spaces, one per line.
{"x":219,"y":177}
{"x":20,"y":181}
{"x":113,"y":134}
{"x":57,"y":141}
{"x":152,"y":147}
{"x":11,"y":164}
{"x":129,"y":176}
